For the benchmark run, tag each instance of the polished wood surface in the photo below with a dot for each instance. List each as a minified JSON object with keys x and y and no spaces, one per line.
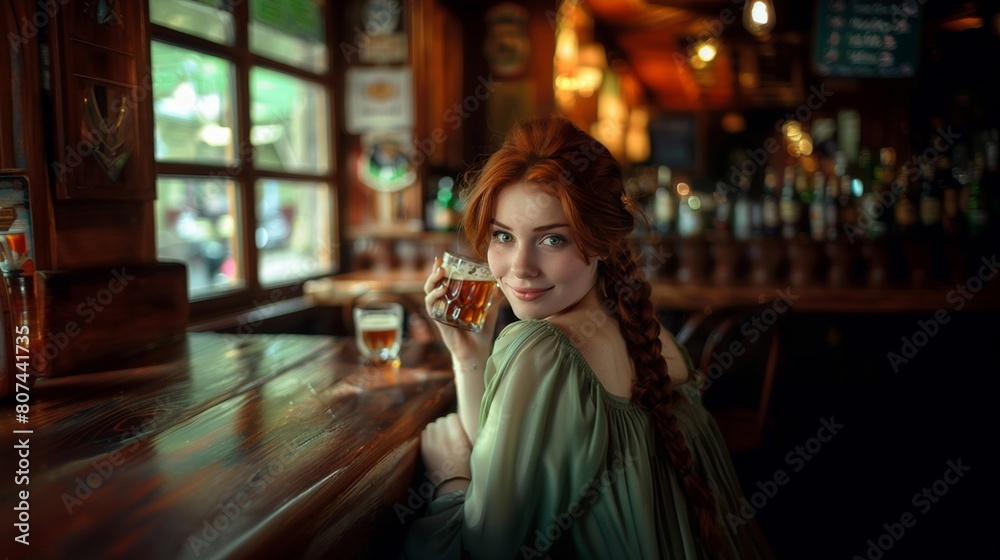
{"x":230,"y":447}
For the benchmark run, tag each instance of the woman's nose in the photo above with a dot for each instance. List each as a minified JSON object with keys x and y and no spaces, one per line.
{"x":524,"y":265}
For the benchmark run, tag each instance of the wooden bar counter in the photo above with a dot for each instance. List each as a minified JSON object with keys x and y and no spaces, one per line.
{"x":255,"y":446}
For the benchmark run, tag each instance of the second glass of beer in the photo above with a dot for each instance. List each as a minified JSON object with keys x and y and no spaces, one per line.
{"x":468,"y":295}
{"x":378,"y":329}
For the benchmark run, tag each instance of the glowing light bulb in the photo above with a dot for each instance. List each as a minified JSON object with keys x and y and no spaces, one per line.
{"x":758,"y":17}
{"x":758,"y":13}
{"x":707,"y":52}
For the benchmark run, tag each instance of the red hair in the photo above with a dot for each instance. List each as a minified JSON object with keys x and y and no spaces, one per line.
{"x":572,"y":166}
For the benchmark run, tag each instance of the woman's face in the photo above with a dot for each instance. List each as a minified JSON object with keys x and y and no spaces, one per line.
{"x":534,"y":254}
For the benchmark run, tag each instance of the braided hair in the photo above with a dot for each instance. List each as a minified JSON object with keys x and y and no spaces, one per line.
{"x":580,"y":172}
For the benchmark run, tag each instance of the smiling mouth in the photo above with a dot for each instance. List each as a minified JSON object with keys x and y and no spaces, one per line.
{"x":528,"y":294}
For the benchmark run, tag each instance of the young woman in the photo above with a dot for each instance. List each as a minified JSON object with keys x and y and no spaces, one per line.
{"x":587,"y":434}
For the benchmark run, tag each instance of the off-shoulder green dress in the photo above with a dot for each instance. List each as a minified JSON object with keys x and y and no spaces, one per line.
{"x":562,"y":468}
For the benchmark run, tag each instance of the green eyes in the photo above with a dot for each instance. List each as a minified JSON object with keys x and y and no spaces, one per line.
{"x":552,"y":240}
{"x":501,"y":236}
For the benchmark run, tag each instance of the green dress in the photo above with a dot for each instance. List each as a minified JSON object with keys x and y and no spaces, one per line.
{"x":562,"y":468}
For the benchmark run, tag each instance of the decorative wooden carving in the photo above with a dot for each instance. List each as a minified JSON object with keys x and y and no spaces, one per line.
{"x":102,"y":92}
{"x":107,"y":134}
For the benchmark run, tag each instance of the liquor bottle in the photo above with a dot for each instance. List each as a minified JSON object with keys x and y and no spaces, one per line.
{"x":19,"y":334}
{"x":444,"y":213}
{"x":664,"y":209}
{"x":770,"y":216}
{"x":887,"y":178}
{"x":742,"y":219}
{"x":846,"y":201}
{"x":930,"y":203}
{"x":690,"y":221}
{"x":839,"y":196}
{"x":989,"y":183}
{"x":977,"y":215}
{"x":817,"y":207}
{"x":960,"y":172}
{"x":832,"y":207}
{"x":949,"y":188}
{"x":803,"y":193}
{"x":722,"y":218}
{"x":866,"y":192}
{"x":905,"y":211}
{"x":882,"y":181}
{"x":790,"y":206}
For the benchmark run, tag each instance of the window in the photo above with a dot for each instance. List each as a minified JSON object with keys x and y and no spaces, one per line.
{"x":243,"y":144}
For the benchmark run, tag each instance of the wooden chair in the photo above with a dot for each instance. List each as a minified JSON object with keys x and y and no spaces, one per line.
{"x":740,"y":387}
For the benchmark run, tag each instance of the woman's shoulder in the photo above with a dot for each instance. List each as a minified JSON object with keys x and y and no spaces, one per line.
{"x":679,"y":365}
{"x":528,"y":333}
{"x":537,"y":345}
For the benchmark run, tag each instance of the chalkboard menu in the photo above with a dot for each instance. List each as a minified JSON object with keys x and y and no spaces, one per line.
{"x":867,"y":38}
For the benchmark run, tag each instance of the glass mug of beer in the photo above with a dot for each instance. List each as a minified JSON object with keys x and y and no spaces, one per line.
{"x":468,"y":295}
{"x":378,"y":331}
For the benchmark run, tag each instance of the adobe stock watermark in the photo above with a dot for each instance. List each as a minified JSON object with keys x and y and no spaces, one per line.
{"x":881,"y":202}
{"x":649,"y":260}
{"x":796,"y":459}
{"x":926,"y":329}
{"x":454,"y":117}
{"x":252,"y":320}
{"x":105,"y":467}
{"x":560,"y":524}
{"x":94,"y":138}
{"x":923,"y":500}
{"x":246,"y":153}
{"x":417,"y":498}
{"x":752,"y":330}
{"x":230,"y":510}
{"x":758,"y":158}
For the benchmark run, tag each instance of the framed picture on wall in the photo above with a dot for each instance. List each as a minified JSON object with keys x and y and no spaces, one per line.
{"x":378,"y":99}
{"x":386,"y":161}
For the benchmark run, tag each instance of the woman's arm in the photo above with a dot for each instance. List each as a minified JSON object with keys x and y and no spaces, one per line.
{"x":469,"y":352}
{"x":539,"y":448}
{"x":469,"y":387}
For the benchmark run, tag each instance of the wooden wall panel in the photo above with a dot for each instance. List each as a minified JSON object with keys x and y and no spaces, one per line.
{"x":98,"y":233}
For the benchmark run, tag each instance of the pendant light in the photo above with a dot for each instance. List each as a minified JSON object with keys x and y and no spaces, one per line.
{"x":758,"y":17}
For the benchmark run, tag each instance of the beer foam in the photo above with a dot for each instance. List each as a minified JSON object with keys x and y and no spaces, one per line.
{"x":378,"y":322}
{"x":468,"y":271}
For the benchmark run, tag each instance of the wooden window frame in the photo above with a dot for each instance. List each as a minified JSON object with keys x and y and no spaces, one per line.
{"x":252,"y":294}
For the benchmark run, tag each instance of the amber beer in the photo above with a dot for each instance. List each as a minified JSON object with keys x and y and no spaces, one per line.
{"x":468,"y":295}
{"x":379,"y":332}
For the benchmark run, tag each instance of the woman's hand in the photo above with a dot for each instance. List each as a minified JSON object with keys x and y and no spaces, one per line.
{"x":466,"y":347}
{"x":445,"y":450}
